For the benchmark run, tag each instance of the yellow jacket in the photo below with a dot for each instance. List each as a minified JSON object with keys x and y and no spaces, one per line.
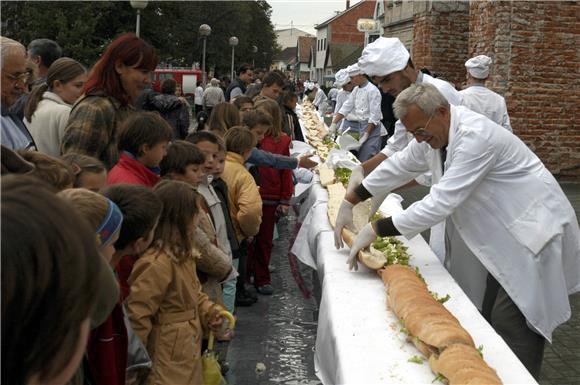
{"x":244,"y":197}
{"x":167,"y":310}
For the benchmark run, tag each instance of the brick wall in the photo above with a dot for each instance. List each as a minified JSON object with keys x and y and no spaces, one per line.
{"x":343,"y":28}
{"x":534,"y":46}
{"x":440,"y":37}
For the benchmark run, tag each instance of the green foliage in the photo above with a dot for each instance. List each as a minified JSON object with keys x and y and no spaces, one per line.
{"x":83,"y":29}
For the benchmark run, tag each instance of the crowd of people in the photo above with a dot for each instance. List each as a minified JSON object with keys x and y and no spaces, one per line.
{"x":124,"y":224}
{"x":127,"y":225}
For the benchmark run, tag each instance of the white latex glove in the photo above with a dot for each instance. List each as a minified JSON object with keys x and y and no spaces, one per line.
{"x":333,"y":127}
{"x":376,"y":202}
{"x":356,"y":178}
{"x":364,"y":239}
{"x":363,"y":138}
{"x":343,"y":219}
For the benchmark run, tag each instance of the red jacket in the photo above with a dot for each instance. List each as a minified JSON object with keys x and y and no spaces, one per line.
{"x":107,"y":350}
{"x":275,"y":184}
{"x":130,"y":170}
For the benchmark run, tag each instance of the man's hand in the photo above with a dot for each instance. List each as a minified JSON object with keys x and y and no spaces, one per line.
{"x":356,"y":178}
{"x":343,"y":219}
{"x":333,"y":127}
{"x":306,"y":162}
{"x":363,"y":138}
{"x":364,"y":239}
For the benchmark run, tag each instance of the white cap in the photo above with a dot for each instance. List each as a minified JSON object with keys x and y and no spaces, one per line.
{"x":308,"y":86}
{"x":341,"y":77}
{"x":383,"y":57}
{"x":353,"y":70}
{"x":478,"y":66}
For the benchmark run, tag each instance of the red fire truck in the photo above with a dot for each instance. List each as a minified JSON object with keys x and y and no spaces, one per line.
{"x":184,"y":76}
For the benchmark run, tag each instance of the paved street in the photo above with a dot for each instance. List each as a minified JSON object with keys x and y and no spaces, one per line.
{"x":279,"y":332}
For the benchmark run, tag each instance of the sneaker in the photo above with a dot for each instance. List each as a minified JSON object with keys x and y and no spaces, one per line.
{"x":265,"y":290}
{"x":243,"y":299}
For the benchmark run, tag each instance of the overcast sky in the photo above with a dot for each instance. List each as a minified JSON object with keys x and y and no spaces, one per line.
{"x":304,"y":13}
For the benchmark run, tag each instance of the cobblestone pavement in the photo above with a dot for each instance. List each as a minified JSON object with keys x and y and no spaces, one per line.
{"x":280,"y":331}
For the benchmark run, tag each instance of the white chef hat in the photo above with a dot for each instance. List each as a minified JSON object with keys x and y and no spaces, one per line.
{"x":478,"y":66}
{"x":341,"y":77}
{"x":309,"y":86}
{"x":383,"y":57}
{"x":353,"y":70}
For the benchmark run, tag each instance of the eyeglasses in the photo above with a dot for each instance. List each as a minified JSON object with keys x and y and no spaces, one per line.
{"x":422,"y":132}
{"x":24,"y":77}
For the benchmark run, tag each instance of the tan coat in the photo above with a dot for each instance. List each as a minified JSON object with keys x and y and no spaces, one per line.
{"x":244,"y":197}
{"x":213,"y":264}
{"x":167,"y":310}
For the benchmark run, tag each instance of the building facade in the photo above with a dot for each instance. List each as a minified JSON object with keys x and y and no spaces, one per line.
{"x":535,"y":62}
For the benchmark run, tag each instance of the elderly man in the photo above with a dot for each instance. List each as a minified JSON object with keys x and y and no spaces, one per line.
{"x":15,"y":135}
{"x":498,"y":195}
{"x":477,"y":97}
{"x":362,"y":114}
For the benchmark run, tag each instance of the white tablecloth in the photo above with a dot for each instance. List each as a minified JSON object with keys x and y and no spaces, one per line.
{"x":359,"y":339}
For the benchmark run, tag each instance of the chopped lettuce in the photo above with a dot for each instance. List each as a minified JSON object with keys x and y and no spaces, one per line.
{"x":393,"y":249}
{"x":416,"y":360}
{"x":342,"y":175}
{"x":438,"y":298}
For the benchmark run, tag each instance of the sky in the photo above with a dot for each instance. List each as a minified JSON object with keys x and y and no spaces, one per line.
{"x":304,"y":13}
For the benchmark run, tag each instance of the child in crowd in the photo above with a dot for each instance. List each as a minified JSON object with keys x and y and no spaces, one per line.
{"x":276,"y":190}
{"x":243,"y":195}
{"x":290,"y":122}
{"x":47,"y":311}
{"x":143,"y":141}
{"x":166,"y":306}
{"x":185,"y":162}
{"x":230,"y":288}
{"x":223,"y":116}
{"x":89,"y":172}
{"x":211,"y":145}
{"x":244,"y":104}
{"x":49,"y":169}
{"x":107,"y":347}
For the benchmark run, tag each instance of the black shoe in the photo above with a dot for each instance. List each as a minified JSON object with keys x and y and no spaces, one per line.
{"x":243,"y":299}
{"x":250,"y":293}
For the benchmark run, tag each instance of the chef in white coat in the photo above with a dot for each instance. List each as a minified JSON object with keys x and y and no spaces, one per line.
{"x":362,"y":114}
{"x":389,"y":64}
{"x":506,"y":205}
{"x":477,"y":97}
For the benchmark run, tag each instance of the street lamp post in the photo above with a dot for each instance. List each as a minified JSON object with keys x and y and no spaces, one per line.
{"x":204,"y":31}
{"x":233,"y":42}
{"x":254,"y":52}
{"x":138,"y":5}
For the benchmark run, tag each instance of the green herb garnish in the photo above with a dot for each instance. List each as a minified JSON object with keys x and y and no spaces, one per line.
{"x":342,"y":175}
{"x":416,"y":360}
{"x":440,"y":299}
{"x":439,"y":378}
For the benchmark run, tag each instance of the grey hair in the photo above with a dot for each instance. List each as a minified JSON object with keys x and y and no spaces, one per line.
{"x":9,"y":47}
{"x":425,"y":96}
{"x":214,"y":82}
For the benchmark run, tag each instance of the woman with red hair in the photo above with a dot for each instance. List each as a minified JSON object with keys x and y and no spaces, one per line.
{"x":114,"y":84}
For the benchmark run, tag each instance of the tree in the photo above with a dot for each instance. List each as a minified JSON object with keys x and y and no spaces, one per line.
{"x":83,"y":29}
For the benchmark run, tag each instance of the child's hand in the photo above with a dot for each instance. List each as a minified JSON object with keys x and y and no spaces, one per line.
{"x":220,"y":326}
{"x":283,"y":210}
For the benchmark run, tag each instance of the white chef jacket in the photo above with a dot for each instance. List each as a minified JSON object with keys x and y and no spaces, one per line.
{"x":332,"y":93}
{"x":341,"y":97}
{"x":401,"y":137}
{"x":481,"y":99}
{"x":507,"y":207}
{"x":319,"y":98}
{"x":363,"y":104}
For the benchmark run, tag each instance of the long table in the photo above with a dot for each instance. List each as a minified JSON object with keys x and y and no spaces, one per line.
{"x":359,"y":340}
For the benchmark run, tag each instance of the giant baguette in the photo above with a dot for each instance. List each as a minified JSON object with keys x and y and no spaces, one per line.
{"x":435,"y":332}
{"x":374,"y":260}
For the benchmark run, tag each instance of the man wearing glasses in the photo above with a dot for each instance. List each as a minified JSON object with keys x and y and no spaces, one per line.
{"x":15,"y":135}
{"x":496,"y":193}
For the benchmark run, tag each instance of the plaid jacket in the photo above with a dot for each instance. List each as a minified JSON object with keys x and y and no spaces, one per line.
{"x":92,"y":127}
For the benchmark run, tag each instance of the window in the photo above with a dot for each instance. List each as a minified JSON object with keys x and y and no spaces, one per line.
{"x":165,"y":76}
{"x":324,"y":43}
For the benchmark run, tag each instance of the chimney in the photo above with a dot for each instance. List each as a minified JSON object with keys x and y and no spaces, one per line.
{"x":347,"y":4}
